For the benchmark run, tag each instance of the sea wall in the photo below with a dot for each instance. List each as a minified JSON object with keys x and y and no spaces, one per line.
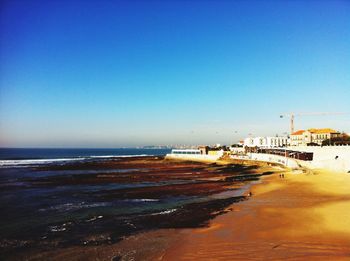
{"x":193,"y":157}
{"x":334,"y":158}
{"x":288,"y":162}
{"x":237,"y":150}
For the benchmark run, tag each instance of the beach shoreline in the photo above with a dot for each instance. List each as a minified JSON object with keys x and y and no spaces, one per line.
{"x":163,"y":195}
{"x":302,"y":215}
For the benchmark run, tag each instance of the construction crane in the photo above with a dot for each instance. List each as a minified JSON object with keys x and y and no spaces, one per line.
{"x":292,"y":116}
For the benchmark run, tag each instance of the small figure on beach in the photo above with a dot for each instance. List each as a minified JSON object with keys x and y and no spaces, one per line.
{"x":283,"y":176}
{"x":250,"y":194}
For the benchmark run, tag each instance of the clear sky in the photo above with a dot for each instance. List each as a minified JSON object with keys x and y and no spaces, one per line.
{"x":126,"y":73}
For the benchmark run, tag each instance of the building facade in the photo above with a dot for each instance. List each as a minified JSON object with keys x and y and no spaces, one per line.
{"x":312,"y":136}
{"x":266,"y":142}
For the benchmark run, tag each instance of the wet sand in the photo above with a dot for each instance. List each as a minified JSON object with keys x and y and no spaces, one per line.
{"x":300,"y":217}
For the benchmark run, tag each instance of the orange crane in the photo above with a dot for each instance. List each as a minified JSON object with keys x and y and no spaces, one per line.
{"x":292,"y":115}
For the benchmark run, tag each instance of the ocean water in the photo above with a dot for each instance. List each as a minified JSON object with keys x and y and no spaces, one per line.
{"x":21,"y":157}
{"x":30,"y":210}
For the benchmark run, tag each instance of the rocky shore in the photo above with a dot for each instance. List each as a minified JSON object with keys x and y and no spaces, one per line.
{"x":289,"y":215}
{"x":167,"y":194}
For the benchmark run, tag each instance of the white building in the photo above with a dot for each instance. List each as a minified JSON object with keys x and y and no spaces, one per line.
{"x":186,"y":151}
{"x":266,"y":142}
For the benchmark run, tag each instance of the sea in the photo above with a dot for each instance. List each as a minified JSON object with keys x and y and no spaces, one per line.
{"x":22,"y":157}
{"x":33,"y":212}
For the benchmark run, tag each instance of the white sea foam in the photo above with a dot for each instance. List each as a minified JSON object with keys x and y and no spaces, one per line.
{"x":31,"y":162}
{"x":164,"y":212}
{"x":35,"y":161}
{"x":57,"y":228}
{"x":121,"y":156}
{"x":144,"y":200}
{"x":105,"y":156}
{"x":94,"y":218}
{"x":76,"y":206}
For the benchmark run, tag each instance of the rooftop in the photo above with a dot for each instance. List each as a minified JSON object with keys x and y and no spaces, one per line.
{"x":320,"y":131}
{"x":315,"y":131}
{"x":299,"y":132}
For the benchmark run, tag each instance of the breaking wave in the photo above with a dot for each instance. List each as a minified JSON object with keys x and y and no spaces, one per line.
{"x":76,"y":206}
{"x":143,"y":200}
{"x":164,"y":212}
{"x":121,"y":156}
{"x":33,"y":162}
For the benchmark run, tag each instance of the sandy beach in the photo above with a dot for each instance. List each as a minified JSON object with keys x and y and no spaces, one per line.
{"x":300,"y":217}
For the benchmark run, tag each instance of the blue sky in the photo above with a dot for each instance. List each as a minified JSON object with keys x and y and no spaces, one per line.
{"x":127,"y":73}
